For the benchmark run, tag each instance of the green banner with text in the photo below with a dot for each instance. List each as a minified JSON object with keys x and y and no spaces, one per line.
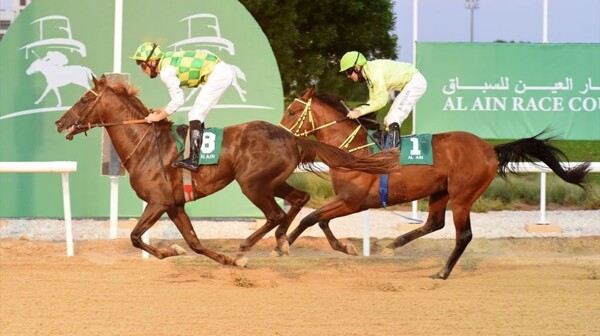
{"x":510,"y":90}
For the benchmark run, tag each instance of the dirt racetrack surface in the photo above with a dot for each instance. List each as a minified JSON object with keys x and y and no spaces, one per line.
{"x":505,"y":286}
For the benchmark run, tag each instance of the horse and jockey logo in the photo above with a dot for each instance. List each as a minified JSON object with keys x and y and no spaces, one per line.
{"x":208,"y":35}
{"x":57,"y":62}
{"x":58,"y":74}
{"x":55,"y":33}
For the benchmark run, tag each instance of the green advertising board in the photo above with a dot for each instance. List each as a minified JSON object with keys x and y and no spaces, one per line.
{"x":510,"y":90}
{"x":47,"y":57}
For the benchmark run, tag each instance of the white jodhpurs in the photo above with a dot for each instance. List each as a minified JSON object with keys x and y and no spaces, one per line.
{"x":218,"y":81}
{"x":406,"y":100}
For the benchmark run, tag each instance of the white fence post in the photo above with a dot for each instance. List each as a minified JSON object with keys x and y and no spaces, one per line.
{"x":64,"y":167}
{"x":543,"y":198}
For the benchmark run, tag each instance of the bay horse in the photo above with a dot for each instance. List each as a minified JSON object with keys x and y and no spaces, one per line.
{"x":463,"y":167}
{"x":260,"y":156}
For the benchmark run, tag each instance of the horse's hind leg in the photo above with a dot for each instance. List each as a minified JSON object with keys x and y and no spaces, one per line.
{"x":435,"y":221}
{"x":149,"y":217}
{"x":462,"y":223}
{"x":46,"y":91}
{"x":275,"y":217}
{"x":297,"y":199}
{"x":182,"y":221}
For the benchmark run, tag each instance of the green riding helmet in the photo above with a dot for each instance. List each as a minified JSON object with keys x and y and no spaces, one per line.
{"x":351,"y":59}
{"x":147,"y":51}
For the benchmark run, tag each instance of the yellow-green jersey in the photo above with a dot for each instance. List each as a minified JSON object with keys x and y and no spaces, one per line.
{"x":191,"y":67}
{"x":383,"y":76}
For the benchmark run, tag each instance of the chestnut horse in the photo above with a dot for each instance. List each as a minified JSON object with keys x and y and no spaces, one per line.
{"x":258,"y":155}
{"x":463,"y":167}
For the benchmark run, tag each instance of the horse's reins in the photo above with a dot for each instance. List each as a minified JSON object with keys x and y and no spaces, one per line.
{"x":307,"y":112}
{"x":125,"y":122}
{"x":89,"y":126}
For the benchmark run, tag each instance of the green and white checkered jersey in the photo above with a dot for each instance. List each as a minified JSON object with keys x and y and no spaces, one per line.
{"x":192,"y":67}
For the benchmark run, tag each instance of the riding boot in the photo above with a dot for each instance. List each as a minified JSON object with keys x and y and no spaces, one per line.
{"x":196,"y":133}
{"x":394,"y":135}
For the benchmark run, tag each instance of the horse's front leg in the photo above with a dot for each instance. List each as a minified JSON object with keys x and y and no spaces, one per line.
{"x":149,"y":217}
{"x":178,"y":215}
{"x":435,"y":221}
{"x":48,"y":88}
{"x":323,"y":215}
{"x":57,"y":96}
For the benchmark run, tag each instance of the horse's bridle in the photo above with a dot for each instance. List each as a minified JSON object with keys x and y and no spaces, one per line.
{"x":307,"y":112}
{"x":89,"y":126}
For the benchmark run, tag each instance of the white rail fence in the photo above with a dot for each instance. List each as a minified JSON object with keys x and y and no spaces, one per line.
{"x":66,"y":167}
{"x":63,"y":167}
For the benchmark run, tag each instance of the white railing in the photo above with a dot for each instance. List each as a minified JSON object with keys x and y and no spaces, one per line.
{"x":64,"y":167}
{"x":527,"y":167}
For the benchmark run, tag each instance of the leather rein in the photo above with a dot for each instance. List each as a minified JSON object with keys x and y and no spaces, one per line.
{"x":307,"y":113}
{"x":89,"y":126}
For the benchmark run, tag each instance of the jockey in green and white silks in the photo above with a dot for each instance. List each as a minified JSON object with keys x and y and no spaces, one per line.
{"x":190,"y":69}
{"x":186,"y":69}
{"x":382,"y":77}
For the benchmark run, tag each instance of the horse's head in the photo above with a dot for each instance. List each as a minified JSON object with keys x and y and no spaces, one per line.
{"x":82,"y":113}
{"x":312,"y":111}
{"x":298,"y":114}
{"x":34,"y":67}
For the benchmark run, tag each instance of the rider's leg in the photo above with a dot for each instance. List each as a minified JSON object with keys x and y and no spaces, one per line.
{"x":196,"y":134}
{"x":394,"y":135}
{"x":405,"y":101}
{"x":218,"y":82}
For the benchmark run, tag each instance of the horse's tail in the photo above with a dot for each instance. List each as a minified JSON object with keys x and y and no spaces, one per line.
{"x":338,"y":159}
{"x":528,"y":149}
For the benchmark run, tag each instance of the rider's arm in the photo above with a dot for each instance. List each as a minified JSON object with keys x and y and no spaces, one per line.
{"x":169,"y":77}
{"x":378,"y":94}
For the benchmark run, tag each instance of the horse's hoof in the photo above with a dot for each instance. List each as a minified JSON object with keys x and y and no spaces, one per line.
{"x":178,"y":250}
{"x":240,"y":260}
{"x":277,"y":253}
{"x":351,"y":250}
{"x":387,"y":252}
{"x":439,"y":276}
{"x":285,"y":247}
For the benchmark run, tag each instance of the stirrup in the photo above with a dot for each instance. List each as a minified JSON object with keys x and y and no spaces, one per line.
{"x":186,"y":164}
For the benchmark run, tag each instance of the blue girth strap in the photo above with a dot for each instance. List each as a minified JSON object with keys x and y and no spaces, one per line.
{"x":383,"y":180}
{"x":383,"y":190}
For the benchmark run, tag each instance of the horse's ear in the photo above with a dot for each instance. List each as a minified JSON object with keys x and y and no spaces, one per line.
{"x":309,"y":93}
{"x":94,"y":80}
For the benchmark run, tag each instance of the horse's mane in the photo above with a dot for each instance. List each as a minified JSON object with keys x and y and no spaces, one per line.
{"x":368,"y":120}
{"x":333,"y":101}
{"x":130,"y":93}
